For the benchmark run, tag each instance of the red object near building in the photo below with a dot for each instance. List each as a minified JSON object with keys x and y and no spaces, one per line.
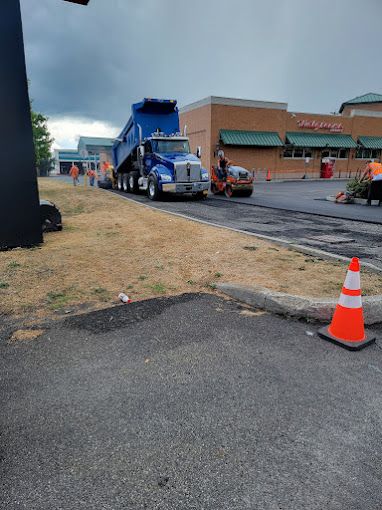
{"x":327,"y":168}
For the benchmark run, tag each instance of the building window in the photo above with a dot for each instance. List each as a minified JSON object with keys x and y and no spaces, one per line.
{"x":335,"y":153}
{"x":299,"y":153}
{"x":368,"y":154}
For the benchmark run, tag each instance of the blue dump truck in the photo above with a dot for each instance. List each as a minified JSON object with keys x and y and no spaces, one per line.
{"x":151,"y":154}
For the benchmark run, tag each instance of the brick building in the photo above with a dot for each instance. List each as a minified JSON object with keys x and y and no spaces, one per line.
{"x":265,"y":135}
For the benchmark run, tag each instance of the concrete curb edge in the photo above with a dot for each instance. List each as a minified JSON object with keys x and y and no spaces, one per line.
{"x":298,"y":306}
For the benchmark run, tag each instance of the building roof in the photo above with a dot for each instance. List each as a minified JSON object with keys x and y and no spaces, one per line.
{"x":250,"y":138}
{"x":370,"y":142}
{"x":320,"y":140}
{"x":231,"y":101}
{"x":371,"y":97}
{"x":95,"y":143}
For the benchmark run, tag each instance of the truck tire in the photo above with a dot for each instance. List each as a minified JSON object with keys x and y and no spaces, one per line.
{"x":153,"y":191}
{"x":200,"y":195}
{"x":133,"y":181}
{"x":125,"y":183}
{"x":119,"y":182}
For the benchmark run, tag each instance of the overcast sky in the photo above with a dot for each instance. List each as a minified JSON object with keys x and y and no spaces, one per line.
{"x":87,"y":65}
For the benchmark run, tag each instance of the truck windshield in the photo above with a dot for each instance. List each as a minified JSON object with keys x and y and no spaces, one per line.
{"x":171,"y":145}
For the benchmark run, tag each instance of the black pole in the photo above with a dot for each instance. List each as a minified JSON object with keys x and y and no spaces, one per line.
{"x":19,"y":201}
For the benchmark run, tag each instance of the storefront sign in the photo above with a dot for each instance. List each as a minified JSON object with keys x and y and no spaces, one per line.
{"x":313,"y":124}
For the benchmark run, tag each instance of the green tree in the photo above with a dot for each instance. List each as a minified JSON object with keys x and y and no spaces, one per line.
{"x":41,"y":137}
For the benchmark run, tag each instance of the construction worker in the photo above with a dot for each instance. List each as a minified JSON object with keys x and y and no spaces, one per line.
{"x":74,"y":172}
{"x":222,"y":166}
{"x":91,"y":174}
{"x":105,"y":168}
{"x":373,"y":173}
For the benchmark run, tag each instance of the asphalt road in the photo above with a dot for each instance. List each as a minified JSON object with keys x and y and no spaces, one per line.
{"x":186,"y":403}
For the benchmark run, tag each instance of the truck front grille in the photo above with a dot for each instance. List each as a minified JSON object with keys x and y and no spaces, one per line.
{"x":188,"y":171}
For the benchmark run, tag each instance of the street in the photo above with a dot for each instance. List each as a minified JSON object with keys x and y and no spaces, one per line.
{"x":191,"y":402}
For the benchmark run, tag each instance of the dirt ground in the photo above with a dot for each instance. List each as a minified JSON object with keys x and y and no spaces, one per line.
{"x":109,"y":245}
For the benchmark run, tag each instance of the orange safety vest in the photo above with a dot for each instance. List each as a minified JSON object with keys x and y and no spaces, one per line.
{"x":74,"y":172}
{"x":91,"y":173}
{"x":375,"y":169}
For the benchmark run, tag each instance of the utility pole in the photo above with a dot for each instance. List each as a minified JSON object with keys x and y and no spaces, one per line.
{"x":20,"y":223}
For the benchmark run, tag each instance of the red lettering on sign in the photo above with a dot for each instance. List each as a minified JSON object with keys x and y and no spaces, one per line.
{"x":313,"y":124}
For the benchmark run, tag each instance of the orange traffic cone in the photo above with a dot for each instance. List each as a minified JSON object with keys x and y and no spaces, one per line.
{"x":347,"y":328}
{"x":268,"y":176}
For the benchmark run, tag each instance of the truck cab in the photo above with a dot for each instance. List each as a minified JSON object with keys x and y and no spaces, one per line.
{"x":159,"y":161}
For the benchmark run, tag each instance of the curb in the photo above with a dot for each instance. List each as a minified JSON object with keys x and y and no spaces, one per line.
{"x":298,"y":306}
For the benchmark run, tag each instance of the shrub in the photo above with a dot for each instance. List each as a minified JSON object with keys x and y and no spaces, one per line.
{"x":361,"y":189}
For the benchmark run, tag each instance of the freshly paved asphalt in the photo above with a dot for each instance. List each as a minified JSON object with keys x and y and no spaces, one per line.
{"x":185,"y":403}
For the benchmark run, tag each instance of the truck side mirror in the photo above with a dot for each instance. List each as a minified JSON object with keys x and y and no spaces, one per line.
{"x":199,"y":152}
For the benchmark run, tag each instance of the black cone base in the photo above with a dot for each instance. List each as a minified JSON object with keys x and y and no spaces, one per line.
{"x":351,"y":346}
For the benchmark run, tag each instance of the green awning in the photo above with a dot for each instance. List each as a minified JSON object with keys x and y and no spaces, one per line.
{"x":321,"y":140}
{"x":250,"y":138}
{"x":370,"y":142}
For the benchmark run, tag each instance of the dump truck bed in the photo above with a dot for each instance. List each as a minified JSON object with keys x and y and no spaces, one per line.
{"x":151,"y":115}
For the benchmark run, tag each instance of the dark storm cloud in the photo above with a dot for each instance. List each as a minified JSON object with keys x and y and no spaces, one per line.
{"x":93,"y":62}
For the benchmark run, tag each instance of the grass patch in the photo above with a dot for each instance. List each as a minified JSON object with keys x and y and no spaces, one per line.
{"x":159,"y":267}
{"x":102,"y":293}
{"x":4,"y":285}
{"x":57,"y":299}
{"x":218,"y":275}
{"x":191,"y":282}
{"x":13,"y":265}
{"x":250,"y":248}
{"x":159,"y":287}
{"x":143,"y":277}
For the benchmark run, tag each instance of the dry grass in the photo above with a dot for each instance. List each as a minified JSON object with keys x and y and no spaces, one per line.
{"x":109,"y":246}
{"x":25,"y":335}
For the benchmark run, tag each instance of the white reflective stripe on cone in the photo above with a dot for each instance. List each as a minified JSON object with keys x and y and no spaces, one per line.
{"x":352,"y":281}
{"x":350,"y":301}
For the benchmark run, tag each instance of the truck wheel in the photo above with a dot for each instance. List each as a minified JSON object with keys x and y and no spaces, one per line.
{"x":228,"y":191}
{"x":152,"y":189}
{"x":200,"y":195}
{"x":133,"y":181}
{"x":119,"y":182}
{"x":125,"y":183}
